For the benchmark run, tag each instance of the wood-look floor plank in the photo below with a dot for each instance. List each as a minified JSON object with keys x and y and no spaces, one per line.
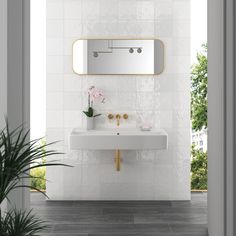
{"x":123,"y":218}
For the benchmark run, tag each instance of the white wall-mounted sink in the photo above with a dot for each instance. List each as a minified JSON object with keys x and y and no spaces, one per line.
{"x":118,"y":139}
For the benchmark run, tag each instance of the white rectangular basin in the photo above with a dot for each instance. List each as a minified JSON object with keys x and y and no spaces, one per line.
{"x":118,"y":139}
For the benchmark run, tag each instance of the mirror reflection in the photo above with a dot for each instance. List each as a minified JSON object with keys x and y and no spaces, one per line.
{"x":118,"y":56}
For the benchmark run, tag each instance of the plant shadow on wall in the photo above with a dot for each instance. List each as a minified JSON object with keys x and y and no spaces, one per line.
{"x":18,"y":157}
{"x":199,"y":118}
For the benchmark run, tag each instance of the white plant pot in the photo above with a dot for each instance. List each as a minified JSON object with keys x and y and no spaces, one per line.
{"x":90,"y":123}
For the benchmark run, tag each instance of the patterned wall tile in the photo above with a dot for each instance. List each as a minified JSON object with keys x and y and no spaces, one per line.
{"x":162,"y":100}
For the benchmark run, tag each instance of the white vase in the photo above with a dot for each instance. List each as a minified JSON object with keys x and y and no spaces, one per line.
{"x":90,"y":123}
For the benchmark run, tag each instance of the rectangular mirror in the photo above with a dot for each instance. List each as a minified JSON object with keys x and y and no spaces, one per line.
{"x":118,"y":56}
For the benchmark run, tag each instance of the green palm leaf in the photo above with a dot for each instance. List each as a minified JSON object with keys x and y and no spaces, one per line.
{"x":18,"y":156}
{"x":21,"y":223}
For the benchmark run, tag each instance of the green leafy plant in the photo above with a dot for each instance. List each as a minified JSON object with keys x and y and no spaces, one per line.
{"x":199,"y":91}
{"x":38,"y":179}
{"x":90,"y":112}
{"x":38,"y":174}
{"x":198,"y":169}
{"x":199,"y":118}
{"x":18,"y":156}
{"x":18,"y":222}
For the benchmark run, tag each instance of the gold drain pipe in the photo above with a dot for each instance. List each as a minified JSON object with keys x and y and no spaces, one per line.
{"x":117,"y":160}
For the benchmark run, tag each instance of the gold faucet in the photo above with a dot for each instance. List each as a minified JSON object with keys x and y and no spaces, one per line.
{"x":117,"y":153}
{"x":118,"y":160}
{"x":117,"y":117}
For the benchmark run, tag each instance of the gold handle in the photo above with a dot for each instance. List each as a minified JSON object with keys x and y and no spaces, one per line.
{"x":118,"y":116}
{"x":110,"y":116}
{"x":125,"y":116}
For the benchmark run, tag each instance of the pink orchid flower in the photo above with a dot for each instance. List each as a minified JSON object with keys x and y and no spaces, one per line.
{"x":96,"y":94}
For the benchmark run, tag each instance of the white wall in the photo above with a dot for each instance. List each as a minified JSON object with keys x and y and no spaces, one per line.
{"x":165,"y":99}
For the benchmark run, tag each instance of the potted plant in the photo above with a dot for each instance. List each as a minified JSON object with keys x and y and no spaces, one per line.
{"x":93,"y":95}
{"x":17,"y":157}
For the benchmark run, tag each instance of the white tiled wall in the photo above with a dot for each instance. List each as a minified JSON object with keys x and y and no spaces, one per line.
{"x":163,"y":99}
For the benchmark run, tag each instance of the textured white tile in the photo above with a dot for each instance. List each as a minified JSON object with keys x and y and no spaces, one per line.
{"x":73,"y":9}
{"x":72,"y":101}
{"x":183,"y":82}
{"x":181,"y":101}
{"x":54,"y":184}
{"x":72,"y":83}
{"x":54,"y":83}
{"x":157,"y":120}
{"x":55,"y":46}
{"x":178,"y":64}
{"x":145,"y":29}
{"x":145,"y":84}
{"x":91,"y":157}
{"x":161,"y":100}
{"x":166,"y":101}
{"x":164,"y":158}
{"x":164,"y":27}
{"x":91,"y":9}
{"x":68,"y":68}
{"x":55,"y":9}
{"x":90,"y":174}
{"x":126,"y":84}
{"x":72,"y":119}
{"x":163,"y":180}
{"x":181,"y":185}
{"x":109,"y":10}
{"x":127,"y":9}
{"x":181,"y":28}
{"x":68,"y":45}
{"x":54,"y":119}
{"x":180,"y":137}
{"x":67,"y":132}
{"x":181,"y":118}
{"x":75,"y":157}
{"x":55,"y":64}
{"x":166,"y":119}
{"x":145,"y":10}
{"x":173,"y":82}
{"x":72,"y":29}
{"x":145,"y":101}
{"x":72,"y":181}
{"x":126,"y":101}
{"x":126,"y":191}
{"x":54,"y":101}
{"x":168,"y":45}
{"x":55,"y":135}
{"x":55,"y":28}
{"x":182,"y":155}
{"x":163,"y":9}
{"x":145,"y":118}
{"x":147,"y":156}
{"x":89,"y":192}
{"x":181,"y":9}
{"x":181,"y":47}
{"x":105,"y":83}
{"x":127,"y":29}
{"x":130,"y":156}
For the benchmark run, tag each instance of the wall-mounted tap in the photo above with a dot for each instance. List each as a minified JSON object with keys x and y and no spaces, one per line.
{"x":118,"y":117}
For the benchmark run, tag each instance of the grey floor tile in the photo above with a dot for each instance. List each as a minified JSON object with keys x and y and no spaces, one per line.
{"x":128,"y":218}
